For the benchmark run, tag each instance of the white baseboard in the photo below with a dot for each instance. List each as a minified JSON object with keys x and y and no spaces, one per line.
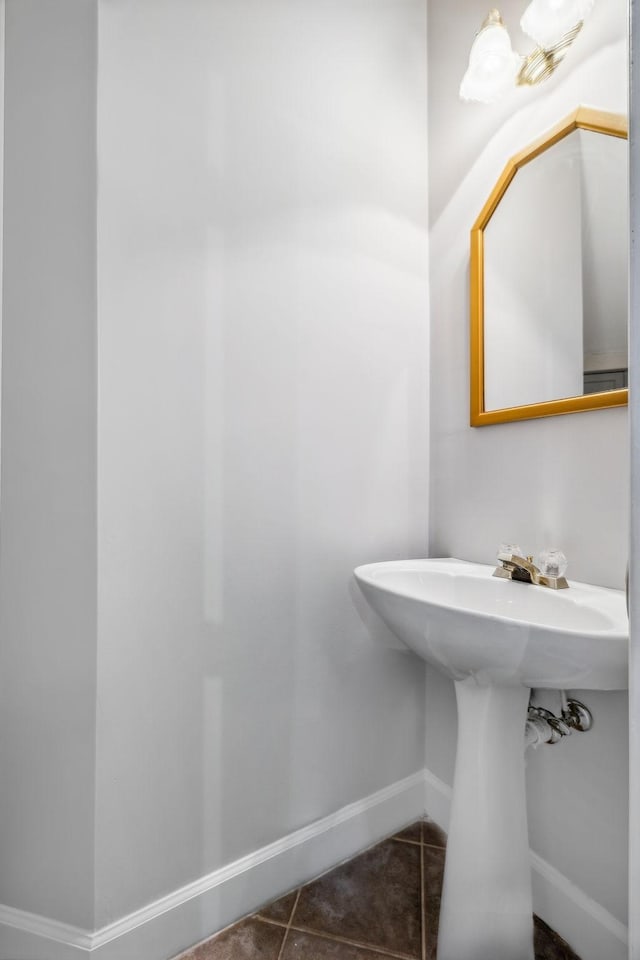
{"x":193,"y":912}
{"x":593,"y":932}
{"x":196,"y":911}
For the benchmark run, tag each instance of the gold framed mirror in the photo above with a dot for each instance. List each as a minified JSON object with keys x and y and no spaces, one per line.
{"x":549,"y":276}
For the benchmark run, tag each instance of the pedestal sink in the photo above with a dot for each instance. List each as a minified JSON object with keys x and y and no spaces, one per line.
{"x":496,"y":639}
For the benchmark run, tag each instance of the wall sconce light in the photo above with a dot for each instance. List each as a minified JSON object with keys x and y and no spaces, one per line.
{"x":494,"y":67}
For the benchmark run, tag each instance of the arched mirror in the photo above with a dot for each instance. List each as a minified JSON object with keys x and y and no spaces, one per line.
{"x":549,"y":277}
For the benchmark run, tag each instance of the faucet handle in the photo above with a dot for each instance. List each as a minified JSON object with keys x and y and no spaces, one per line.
{"x":552,"y":563}
{"x":508,"y":550}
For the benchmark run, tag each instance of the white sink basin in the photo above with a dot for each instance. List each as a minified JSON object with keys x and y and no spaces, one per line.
{"x":466,"y":622}
{"x":496,"y":639}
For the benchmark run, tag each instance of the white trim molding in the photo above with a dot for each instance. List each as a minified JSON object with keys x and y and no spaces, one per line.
{"x":195,"y":911}
{"x":634,"y":519}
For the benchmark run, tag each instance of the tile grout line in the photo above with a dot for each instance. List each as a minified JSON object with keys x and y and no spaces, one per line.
{"x":336,"y":938}
{"x":300,"y":928}
{"x":288,"y":928}
{"x":417,"y":843}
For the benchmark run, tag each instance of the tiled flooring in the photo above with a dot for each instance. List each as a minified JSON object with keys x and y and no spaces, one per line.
{"x":383,"y":903}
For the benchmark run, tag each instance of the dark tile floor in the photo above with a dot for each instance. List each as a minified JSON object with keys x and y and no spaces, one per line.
{"x":383,"y":903}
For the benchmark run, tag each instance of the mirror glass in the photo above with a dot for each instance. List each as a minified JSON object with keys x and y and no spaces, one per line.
{"x":551,"y":289}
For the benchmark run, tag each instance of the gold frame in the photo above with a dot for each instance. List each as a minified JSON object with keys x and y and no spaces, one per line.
{"x":614,"y":125}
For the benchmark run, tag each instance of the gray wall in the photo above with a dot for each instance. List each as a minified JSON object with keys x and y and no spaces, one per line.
{"x":562,"y":480}
{"x":48,"y":545}
{"x":263,"y":361}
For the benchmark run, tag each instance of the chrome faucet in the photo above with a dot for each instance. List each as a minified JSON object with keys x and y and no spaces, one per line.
{"x":514,"y":567}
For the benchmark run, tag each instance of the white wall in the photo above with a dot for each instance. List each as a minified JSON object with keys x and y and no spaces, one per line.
{"x":48,"y":544}
{"x":263,"y":324}
{"x":560,"y":481}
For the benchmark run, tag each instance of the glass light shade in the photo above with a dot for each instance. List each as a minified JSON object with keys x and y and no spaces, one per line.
{"x":493,"y":65}
{"x":547,"y":21}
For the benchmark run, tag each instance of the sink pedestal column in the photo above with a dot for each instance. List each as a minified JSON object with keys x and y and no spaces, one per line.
{"x":486,"y":911}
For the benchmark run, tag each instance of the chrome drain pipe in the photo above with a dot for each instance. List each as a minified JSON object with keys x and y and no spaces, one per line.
{"x":543,"y":726}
